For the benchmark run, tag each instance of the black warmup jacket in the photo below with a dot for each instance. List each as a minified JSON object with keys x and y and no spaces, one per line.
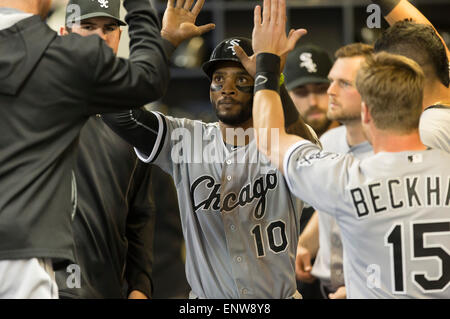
{"x":115,"y":218}
{"x":49,"y":86}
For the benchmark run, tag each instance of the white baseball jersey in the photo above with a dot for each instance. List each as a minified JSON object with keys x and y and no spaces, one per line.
{"x":240,"y":221}
{"x":434,"y":127}
{"x":393,"y":210}
{"x":328,"y":263}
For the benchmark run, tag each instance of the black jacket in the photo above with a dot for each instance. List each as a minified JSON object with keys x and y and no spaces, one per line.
{"x":49,"y":86}
{"x":114,"y":222}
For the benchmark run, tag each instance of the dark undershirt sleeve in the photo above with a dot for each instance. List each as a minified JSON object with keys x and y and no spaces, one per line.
{"x":290,"y":111}
{"x":139,"y":128}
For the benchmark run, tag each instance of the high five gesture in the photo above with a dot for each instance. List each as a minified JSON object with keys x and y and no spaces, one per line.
{"x":178,"y":23}
{"x":270,"y":43}
{"x":269,"y":32}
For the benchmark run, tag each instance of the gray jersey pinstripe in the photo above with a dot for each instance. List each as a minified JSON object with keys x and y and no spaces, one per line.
{"x":393,"y":210}
{"x":240,"y":222}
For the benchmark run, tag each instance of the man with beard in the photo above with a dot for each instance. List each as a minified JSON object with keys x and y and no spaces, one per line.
{"x":306,"y":73}
{"x":321,"y":238}
{"x":240,"y":223}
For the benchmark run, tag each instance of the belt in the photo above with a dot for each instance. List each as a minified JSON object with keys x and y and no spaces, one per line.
{"x":296,"y":295}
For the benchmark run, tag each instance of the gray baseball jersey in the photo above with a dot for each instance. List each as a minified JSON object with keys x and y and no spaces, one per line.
{"x":393,"y":210}
{"x":328,"y":265}
{"x":434,"y":127}
{"x":240,"y":221}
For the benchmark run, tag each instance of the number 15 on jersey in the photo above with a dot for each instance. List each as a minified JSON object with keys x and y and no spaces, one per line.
{"x":421,"y":250}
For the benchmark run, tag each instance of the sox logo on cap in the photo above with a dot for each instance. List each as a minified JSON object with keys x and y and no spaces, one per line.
{"x":103,"y":3}
{"x":232,"y":44}
{"x":307,"y":62}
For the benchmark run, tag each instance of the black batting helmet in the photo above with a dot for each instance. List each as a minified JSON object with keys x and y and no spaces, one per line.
{"x":225,"y":52}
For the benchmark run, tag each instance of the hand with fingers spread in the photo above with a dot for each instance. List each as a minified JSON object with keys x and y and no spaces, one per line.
{"x":269,"y":33}
{"x":178,"y":23}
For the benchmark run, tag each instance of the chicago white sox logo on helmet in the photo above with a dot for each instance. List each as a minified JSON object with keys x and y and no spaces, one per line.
{"x":103,"y":3}
{"x":307,"y":62}
{"x":232,"y":43}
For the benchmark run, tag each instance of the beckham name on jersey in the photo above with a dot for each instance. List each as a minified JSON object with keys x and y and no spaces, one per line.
{"x":251,"y":191}
{"x":393,"y":194}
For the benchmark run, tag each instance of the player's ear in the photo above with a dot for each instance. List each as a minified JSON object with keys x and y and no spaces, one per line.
{"x":365,"y":114}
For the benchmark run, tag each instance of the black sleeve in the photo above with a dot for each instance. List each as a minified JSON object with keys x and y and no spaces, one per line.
{"x":114,"y":83}
{"x":138,"y":127}
{"x":290,"y":111}
{"x":299,"y":128}
{"x":294,"y":123}
{"x":386,"y":5}
{"x":140,"y":231}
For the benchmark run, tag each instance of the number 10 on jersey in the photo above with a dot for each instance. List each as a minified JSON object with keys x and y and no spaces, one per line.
{"x":275,"y":233}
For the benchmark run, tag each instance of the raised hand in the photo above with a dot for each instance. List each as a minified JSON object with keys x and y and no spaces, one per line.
{"x":178,"y":23}
{"x":269,"y":33}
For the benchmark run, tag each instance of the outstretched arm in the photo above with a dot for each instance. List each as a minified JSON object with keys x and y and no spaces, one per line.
{"x":397,"y":10}
{"x":269,"y":43}
{"x":139,"y":127}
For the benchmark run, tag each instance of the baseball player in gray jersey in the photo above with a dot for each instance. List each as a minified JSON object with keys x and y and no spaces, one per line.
{"x":392,"y":208}
{"x":240,"y":221}
{"x":345,"y":107}
{"x":419,"y":41}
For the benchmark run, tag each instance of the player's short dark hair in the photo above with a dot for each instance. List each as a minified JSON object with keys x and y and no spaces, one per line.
{"x":353,"y":50}
{"x":420,"y":43}
{"x":392,"y":87}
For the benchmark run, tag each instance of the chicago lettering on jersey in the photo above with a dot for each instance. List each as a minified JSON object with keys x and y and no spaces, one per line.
{"x":393,"y":194}
{"x":258,"y":189}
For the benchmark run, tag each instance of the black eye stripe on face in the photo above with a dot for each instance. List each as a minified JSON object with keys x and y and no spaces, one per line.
{"x":245,"y":89}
